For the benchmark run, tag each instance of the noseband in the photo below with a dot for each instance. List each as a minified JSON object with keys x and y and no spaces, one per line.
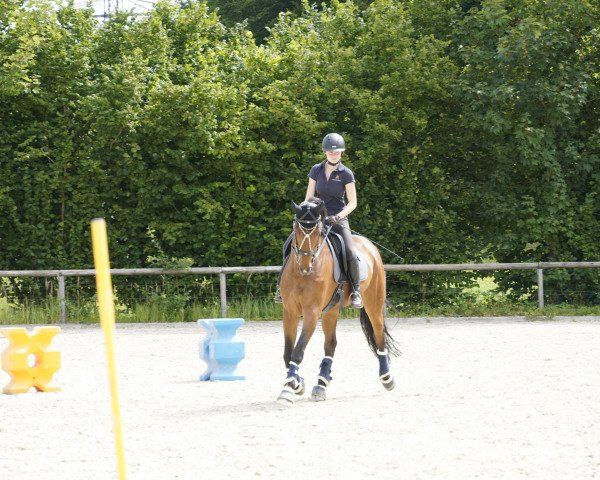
{"x":313,"y":253}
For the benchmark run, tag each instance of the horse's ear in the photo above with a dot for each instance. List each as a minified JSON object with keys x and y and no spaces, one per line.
{"x":297,"y":210}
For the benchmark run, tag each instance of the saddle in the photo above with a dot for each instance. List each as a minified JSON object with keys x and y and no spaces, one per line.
{"x":336,"y":246}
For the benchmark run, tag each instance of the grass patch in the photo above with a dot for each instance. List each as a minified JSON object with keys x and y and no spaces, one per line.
{"x":29,"y":314}
{"x":485,"y":300}
{"x":172,"y":309}
{"x":498,"y":309}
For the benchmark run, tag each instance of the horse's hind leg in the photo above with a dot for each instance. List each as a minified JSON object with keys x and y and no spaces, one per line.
{"x":373,"y":311}
{"x":385,"y":375}
{"x":383,"y":355}
{"x":329,"y":328}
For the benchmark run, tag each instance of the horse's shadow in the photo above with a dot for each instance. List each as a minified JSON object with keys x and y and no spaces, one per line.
{"x":269,"y":406}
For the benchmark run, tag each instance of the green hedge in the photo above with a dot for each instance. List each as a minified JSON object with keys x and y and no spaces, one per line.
{"x":473,"y":132}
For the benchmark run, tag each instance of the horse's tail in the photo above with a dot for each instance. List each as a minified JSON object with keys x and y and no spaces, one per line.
{"x":367,"y":328}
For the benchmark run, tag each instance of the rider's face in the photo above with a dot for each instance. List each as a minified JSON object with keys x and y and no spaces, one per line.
{"x":333,"y":157}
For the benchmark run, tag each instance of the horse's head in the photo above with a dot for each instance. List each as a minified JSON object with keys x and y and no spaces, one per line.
{"x":309,"y":213}
{"x":308,"y":227}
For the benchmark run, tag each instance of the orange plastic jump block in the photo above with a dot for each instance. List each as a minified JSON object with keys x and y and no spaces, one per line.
{"x":28,"y":359}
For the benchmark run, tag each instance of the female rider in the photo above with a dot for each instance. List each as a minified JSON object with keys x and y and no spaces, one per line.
{"x":330,"y":180}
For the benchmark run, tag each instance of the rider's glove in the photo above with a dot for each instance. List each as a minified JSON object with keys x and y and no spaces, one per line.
{"x":332,"y":219}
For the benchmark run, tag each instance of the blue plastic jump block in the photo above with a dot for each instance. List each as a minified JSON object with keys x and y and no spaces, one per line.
{"x":218,"y":349}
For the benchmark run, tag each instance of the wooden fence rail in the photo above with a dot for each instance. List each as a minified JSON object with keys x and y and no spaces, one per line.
{"x":224,"y":271}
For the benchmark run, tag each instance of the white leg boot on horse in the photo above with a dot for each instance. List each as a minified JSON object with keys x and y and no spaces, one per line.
{"x":318,"y":392}
{"x":293,"y":385}
{"x":385,"y":376}
{"x":329,"y":324}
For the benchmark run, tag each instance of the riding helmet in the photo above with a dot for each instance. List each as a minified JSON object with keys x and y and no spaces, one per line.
{"x":334,"y":142}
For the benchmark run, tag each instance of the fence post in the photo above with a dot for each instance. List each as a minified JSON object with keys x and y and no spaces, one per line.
{"x":61,"y":298}
{"x":223,"y":294}
{"x":540,"y":284}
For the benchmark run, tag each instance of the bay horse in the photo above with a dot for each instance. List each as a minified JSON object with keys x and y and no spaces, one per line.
{"x":308,"y":285}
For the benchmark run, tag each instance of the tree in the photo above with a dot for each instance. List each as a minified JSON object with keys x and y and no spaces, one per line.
{"x":258,"y":15}
{"x":527,"y":92}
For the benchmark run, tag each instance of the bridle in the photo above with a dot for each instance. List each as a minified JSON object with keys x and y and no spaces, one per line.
{"x":307,"y":232}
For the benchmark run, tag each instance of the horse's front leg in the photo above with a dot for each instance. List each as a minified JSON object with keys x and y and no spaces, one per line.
{"x":330,"y":319}
{"x":290,"y":332}
{"x":294,"y":383}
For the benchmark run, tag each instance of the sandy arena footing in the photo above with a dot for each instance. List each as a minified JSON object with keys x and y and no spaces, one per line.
{"x":498,"y":398}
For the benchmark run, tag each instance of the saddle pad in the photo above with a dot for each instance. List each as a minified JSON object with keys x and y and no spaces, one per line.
{"x":336,"y":245}
{"x":362,"y":269}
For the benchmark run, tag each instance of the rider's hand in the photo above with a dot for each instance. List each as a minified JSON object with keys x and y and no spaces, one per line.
{"x":332,"y":219}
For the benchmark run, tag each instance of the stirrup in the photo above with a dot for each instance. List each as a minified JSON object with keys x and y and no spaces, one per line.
{"x":356,"y":300}
{"x":277,"y":298}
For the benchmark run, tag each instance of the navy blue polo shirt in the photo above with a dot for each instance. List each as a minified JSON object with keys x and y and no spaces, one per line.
{"x":331,"y":191}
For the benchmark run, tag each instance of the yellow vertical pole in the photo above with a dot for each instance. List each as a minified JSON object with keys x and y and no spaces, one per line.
{"x":107,"y":320}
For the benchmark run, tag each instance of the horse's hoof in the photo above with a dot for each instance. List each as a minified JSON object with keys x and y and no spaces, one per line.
{"x":300,"y":388}
{"x":387,"y":381}
{"x":286,"y":396}
{"x":318,"y":393}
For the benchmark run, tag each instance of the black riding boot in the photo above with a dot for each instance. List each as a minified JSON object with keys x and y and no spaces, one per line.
{"x":277,"y":298}
{"x":353,"y":271}
{"x":286,"y":255}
